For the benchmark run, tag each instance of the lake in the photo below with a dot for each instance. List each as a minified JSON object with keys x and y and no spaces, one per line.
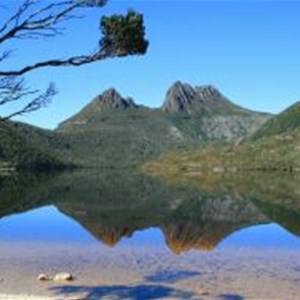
{"x":124,"y":235}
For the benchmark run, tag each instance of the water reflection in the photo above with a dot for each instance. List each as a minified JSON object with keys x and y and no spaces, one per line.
{"x":115,"y":205}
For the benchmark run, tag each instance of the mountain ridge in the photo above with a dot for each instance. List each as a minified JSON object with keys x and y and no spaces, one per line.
{"x":205,"y":104}
{"x":180,"y":97}
{"x":113,"y":130}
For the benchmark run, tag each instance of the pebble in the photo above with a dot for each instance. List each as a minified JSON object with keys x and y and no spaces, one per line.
{"x":43,"y":277}
{"x":63,"y":277}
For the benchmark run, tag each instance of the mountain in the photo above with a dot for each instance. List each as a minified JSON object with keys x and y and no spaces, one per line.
{"x":284,"y":123}
{"x":183,"y":98}
{"x":114,"y":131}
{"x":212,"y":115}
{"x":23,"y":151}
{"x":118,"y":136}
{"x":109,"y":100}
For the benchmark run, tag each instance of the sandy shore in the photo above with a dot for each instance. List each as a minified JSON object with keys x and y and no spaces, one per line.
{"x":142,"y":271}
{"x":32,"y":297}
{"x":149,"y":273}
{"x":27,"y":297}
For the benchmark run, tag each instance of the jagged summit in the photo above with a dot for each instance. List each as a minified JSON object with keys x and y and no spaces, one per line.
{"x":112,"y":99}
{"x":108,"y":100}
{"x":179,"y":97}
{"x":206,"y":92}
{"x":210,"y":115}
{"x":182,"y":97}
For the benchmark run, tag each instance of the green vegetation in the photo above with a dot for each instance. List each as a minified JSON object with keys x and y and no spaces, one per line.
{"x":275,"y":147}
{"x":283,"y":124}
{"x":112,"y":131}
{"x":273,"y":154}
{"x":122,"y":138}
{"x":206,"y":132}
{"x":124,"y":34}
{"x":18,"y":151}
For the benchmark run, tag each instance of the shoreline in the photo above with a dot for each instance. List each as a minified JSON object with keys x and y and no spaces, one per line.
{"x":35,"y":297}
{"x":25,"y":297}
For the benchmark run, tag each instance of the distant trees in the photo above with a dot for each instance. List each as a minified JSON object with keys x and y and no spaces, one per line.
{"x":35,"y":19}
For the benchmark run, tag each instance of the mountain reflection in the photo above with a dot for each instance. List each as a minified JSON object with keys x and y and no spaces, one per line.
{"x":112,"y":205}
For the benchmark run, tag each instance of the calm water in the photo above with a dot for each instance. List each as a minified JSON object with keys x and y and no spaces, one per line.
{"x":47,"y":225}
{"x":126,"y":236}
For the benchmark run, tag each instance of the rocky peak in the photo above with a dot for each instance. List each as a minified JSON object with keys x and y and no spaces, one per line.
{"x":207,"y":92}
{"x":109,"y":100}
{"x":182,"y":97}
{"x":179,"y":97}
{"x":112,"y":99}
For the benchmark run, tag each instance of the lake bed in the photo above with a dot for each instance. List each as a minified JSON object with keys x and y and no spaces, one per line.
{"x":258,"y":262}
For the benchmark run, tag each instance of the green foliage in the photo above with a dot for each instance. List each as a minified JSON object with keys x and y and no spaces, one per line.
{"x":274,"y":153}
{"x":124,"y":35}
{"x":22,"y":152}
{"x":275,"y":147}
{"x":284,"y":123}
{"x":106,"y":137}
{"x":115,"y":138}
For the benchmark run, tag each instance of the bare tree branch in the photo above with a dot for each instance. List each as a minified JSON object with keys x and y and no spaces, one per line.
{"x":42,"y":18}
{"x":121,"y":36}
{"x":73,"y":61}
{"x":12,"y":89}
{"x":4,"y":55}
{"x":34,"y":19}
{"x":38,"y":102}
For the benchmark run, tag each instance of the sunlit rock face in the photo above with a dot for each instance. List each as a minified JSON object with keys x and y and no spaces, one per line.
{"x":212,"y":115}
{"x":179,"y":98}
{"x":182,"y":97}
{"x":112,"y":99}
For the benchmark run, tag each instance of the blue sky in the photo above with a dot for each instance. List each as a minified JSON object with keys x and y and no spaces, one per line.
{"x":250,"y":50}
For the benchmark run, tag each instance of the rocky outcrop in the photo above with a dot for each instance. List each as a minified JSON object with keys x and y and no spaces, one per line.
{"x":179,"y":98}
{"x":205,"y":93}
{"x":229,"y":128}
{"x":113,"y":100}
{"x":183,"y":98}
{"x":212,"y":115}
{"x":108,"y":100}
